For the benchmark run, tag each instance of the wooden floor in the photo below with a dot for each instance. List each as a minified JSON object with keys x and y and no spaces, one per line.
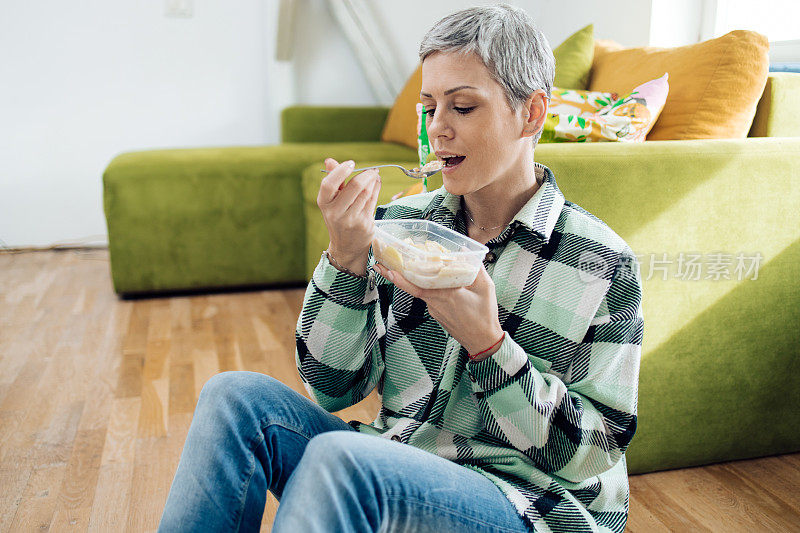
{"x":97,"y":393}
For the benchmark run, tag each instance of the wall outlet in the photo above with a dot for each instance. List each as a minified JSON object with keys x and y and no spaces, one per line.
{"x":179,"y":8}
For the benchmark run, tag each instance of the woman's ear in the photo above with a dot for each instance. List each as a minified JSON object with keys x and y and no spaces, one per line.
{"x":534,"y":113}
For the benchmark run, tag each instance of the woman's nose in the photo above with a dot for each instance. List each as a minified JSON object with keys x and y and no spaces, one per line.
{"x":438,"y":127}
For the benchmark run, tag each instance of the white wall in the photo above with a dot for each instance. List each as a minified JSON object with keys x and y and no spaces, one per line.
{"x":624,"y":21}
{"x":406,"y":22}
{"x":84,"y":81}
{"x":675,"y":22}
{"x":324,"y":69}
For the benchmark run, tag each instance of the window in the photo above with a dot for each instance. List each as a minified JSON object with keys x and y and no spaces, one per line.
{"x":777,"y":19}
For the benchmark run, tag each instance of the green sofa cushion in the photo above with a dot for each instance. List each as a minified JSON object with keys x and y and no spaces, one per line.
{"x":214,"y":217}
{"x":574,"y":59}
{"x":332,"y":124}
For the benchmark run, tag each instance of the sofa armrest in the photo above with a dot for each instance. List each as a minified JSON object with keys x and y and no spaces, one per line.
{"x":778,"y":111}
{"x":332,"y":124}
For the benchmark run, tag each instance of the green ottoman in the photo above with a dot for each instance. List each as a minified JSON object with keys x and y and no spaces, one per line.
{"x":214,"y":217}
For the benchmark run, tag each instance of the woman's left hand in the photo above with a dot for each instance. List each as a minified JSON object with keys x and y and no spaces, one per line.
{"x":469,"y":313}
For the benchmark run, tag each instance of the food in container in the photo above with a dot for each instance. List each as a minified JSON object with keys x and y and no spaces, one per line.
{"x":428,"y":254}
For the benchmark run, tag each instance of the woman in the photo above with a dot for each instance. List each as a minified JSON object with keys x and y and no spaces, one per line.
{"x":506,"y":405}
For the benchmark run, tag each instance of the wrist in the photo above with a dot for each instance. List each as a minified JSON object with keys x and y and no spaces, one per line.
{"x":352,"y":264}
{"x":490,"y":348}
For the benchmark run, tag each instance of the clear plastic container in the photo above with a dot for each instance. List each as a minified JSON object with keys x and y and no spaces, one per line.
{"x":428,"y":254}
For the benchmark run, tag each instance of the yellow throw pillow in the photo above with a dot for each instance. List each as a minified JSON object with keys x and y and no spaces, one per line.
{"x":401,"y":124}
{"x":714,"y":85}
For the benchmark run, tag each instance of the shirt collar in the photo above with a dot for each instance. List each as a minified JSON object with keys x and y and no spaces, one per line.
{"x":538,"y":215}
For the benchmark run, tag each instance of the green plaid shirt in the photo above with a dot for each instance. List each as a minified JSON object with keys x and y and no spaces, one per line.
{"x":549,"y":416}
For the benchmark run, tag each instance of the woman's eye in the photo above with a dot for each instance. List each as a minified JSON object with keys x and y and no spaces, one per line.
{"x":430,"y":111}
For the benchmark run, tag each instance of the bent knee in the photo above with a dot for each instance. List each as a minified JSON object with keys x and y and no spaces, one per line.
{"x":339,"y":458}
{"x":236,"y":385}
{"x":330,"y":442}
{"x":335,"y":446}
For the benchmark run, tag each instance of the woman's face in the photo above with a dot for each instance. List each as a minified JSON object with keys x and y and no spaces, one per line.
{"x":468,"y":116}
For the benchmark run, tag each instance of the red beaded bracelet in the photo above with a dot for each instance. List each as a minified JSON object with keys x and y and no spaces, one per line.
{"x":472,"y":357}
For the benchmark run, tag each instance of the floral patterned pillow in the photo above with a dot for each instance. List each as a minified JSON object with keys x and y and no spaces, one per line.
{"x":579,"y":103}
{"x":593,"y":116}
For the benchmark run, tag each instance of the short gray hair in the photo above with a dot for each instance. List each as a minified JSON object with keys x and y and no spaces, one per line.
{"x":508,"y":42}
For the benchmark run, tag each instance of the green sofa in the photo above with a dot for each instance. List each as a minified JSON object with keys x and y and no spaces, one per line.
{"x":720,"y":373}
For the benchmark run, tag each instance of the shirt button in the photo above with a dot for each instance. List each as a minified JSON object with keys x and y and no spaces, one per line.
{"x":396,"y":438}
{"x":490,"y":257}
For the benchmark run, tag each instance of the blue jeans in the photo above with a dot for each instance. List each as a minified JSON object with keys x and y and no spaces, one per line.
{"x":251,"y":433}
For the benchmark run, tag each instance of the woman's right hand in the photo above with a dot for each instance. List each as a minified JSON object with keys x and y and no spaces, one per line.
{"x":348,"y":210}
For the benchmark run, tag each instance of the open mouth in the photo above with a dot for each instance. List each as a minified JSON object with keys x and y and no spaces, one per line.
{"x":450,"y":162}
